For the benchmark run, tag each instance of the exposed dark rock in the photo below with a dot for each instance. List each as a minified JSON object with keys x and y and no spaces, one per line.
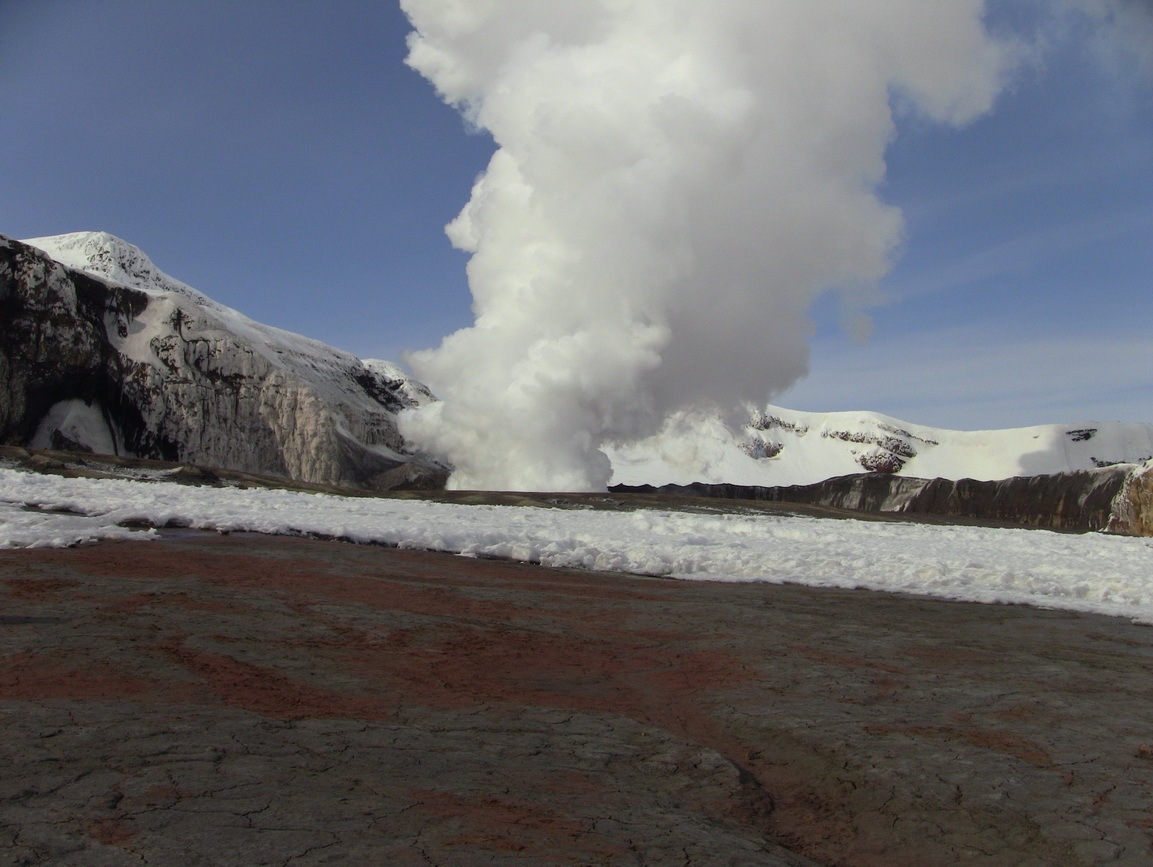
{"x":198,"y":476}
{"x":881,"y":460}
{"x":906,"y":435}
{"x":889,"y":453}
{"x":762,"y":421}
{"x":758,"y":448}
{"x":415,"y":475}
{"x":1117,"y":500}
{"x":62,"y":443}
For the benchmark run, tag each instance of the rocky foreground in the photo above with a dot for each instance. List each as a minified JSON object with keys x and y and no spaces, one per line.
{"x":257,"y":700}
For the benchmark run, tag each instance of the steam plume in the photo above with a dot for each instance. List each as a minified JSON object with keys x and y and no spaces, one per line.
{"x":675,"y":182}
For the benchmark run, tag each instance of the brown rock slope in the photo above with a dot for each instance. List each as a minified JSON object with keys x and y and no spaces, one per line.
{"x":251,"y":700}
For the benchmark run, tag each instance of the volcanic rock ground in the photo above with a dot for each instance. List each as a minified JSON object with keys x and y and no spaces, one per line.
{"x":247,"y":700}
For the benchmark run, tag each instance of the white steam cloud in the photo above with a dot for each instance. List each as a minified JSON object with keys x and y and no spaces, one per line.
{"x":675,"y":182}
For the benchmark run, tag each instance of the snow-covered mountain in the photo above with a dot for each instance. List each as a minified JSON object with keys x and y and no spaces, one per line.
{"x":780,"y":447}
{"x":102,"y":351}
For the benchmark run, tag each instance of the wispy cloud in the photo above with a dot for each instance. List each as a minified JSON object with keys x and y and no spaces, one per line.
{"x":1048,"y":171}
{"x":971,"y":377}
{"x":1021,"y":253}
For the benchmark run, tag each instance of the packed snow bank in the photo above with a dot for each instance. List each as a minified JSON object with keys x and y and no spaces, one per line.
{"x":1092,"y":572}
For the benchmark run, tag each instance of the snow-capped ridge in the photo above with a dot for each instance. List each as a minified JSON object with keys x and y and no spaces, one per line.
{"x":128,"y":356}
{"x":117,"y":262}
{"x":107,"y":257}
{"x":177,"y":338}
{"x":783,"y":447}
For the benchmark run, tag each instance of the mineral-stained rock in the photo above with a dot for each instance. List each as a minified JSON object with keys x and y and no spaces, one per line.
{"x":206,"y":699}
{"x":133,"y":362}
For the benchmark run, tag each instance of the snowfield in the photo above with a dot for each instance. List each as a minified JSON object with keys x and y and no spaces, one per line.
{"x":789,"y":447}
{"x":1106,"y":574}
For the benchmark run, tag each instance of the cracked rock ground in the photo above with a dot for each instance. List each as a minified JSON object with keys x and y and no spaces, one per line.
{"x":250,"y":700}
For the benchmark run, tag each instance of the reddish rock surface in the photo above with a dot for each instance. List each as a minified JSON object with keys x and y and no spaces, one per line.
{"x":253,"y":700}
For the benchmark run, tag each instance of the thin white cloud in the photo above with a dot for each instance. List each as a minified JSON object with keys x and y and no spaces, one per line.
{"x":1026,"y":252}
{"x":1047,"y":171}
{"x":1123,"y":34}
{"x":975,"y":377}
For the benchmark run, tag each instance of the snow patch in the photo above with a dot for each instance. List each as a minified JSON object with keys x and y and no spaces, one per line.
{"x":1092,"y":572}
{"x":74,"y":425}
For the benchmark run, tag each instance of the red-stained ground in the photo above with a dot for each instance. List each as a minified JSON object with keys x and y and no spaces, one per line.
{"x":822,"y":700}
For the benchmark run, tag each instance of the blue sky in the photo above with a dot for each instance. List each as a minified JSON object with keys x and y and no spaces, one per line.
{"x":283,"y":160}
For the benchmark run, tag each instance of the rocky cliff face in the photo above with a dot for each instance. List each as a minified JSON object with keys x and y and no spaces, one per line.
{"x":111,"y":355}
{"x":1132,"y":511}
{"x":1114,"y":499}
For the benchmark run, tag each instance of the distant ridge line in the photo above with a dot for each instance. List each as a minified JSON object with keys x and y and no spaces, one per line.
{"x":1112,"y":500}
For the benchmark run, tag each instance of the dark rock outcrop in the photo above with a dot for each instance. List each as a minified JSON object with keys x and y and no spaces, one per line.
{"x":92,"y":364}
{"x":1114,"y":500}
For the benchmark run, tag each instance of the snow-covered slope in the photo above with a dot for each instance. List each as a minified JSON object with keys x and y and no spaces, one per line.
{"x":108,"y":352}
{"x":134,"y":361}
{"x":787,"y":447}
{"x":332,"y":372}
{"x":109,"y":258}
